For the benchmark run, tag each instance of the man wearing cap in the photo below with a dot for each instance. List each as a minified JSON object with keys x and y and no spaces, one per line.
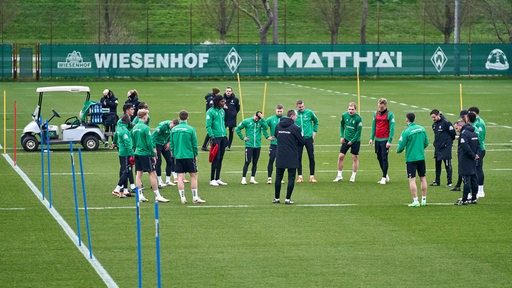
{"x":109,"y":101}
{"x":209,"y":104}
{"x":253,"y":126}
{"x":444,"y":134}
{"x":217,"y":133}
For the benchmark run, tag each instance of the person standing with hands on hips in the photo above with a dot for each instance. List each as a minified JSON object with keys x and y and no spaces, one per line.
{"x":414,"y":140}
{"x":272,"y":122}
{"x":351,"y":126}
{"x":308,"y":124}
{"x":217,"y":133}
{"x":383,"y":129}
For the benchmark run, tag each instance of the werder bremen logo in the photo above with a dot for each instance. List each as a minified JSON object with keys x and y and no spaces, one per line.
{"x":74,"y":60}
{"x":439,"y":59}
{"x":233,"y":60}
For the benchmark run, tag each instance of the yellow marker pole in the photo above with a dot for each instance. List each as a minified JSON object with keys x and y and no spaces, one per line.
{"x":264,"y":99}
{"x":460,"y":95}
{"x":5,"y":121}
{"x":240,"y":93}
{"x":358,"y":92}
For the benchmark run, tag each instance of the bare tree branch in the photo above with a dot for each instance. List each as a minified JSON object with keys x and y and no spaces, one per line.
{"x":250,"y":8}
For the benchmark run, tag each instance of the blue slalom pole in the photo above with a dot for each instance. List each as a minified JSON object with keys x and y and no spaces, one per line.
{"x":42,"y":157}
{"x":139,"y":248}
{"x":48,"y":162}
{"x":85,"y":204}
{"x":74,"y":192}
{"x":157,"y":243}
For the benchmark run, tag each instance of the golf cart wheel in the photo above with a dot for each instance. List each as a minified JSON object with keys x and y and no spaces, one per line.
{"x":90,"y":143}
{"x":29,"y":143}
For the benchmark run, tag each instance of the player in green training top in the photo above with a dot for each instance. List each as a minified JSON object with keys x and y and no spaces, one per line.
{"x":183,"y":142}
{"x":272,"y":122}
{"x":480,"y":129}
{"x":351,"y":125}
{"x":308,"y":124}
{"x":414,"y":140}
{"x":145,"y":153}
{"x":253,"y":126}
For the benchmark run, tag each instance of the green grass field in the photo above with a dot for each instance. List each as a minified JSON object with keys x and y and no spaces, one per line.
{"x":337,"y":235}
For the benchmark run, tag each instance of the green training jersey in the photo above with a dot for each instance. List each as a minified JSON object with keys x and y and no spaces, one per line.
{"x":414,"y":140}
{"x":272,"y":122}
{"x":351,"y":127}
{"x":480,"y":130}
{"x":215,"y":122}
{"x":123,"y":140}
{"x":253,"y":130}
{"x":162,"y":132}
{"x":307,"y":121}
{"x":141,"y":136}
{"x":183,"y":141}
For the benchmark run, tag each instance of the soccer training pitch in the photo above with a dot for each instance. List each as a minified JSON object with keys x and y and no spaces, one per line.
{"x":342,"y":234}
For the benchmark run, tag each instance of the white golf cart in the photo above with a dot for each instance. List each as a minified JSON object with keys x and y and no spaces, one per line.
{"x":83,"y":130}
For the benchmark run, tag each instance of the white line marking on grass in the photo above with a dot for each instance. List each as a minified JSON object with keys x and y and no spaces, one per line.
{"x":221,"y":206}
{"x":325,"y":205}
{"x":11,"y":209}
{"x":109,"y":207}
{"x":65,"y":226}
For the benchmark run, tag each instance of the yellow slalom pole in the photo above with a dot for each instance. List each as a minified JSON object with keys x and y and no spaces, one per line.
{"x":358,"y":92}
{"x":460,"y":95}
{"x":264,"y":98}
{"x":5,"y":121}
{"x":240,"y":93}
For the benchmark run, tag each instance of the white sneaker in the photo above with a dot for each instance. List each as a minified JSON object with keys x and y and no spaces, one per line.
{"x":161,"y":185}
{"x":170,"y":183}
{"x":221,"y":183}
{"x":142,"y":198}
{"x":269,"y":180}
{"x":214,"y":183}
{"x":243,"y":182}
{"x":252,"y":181}
{"x":161,"y":199}
{"x":186,"y":181}
{"x":183,"y":200}
{"x":198,"y":200}
{"x":352,"y":178}
{"x":387,"y":178}
{"x":480,"y":194}
{"x":382,"y":181}
{"x":338,"y":179}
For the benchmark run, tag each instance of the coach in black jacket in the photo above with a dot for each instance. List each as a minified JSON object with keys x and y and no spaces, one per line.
{"x":444,"y":134}
{"x":232,"y":108}
{"x":289,"y":139}
{"x":467,"y":152}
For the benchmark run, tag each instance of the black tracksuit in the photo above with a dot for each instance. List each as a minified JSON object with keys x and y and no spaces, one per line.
{"x":289,"y":139}
{"x":467,"y":148}
{"x":230,"y":117}
{"x":444,"y":134}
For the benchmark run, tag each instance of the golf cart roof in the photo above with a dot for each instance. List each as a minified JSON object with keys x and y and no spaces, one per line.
{"x":63,"y":89}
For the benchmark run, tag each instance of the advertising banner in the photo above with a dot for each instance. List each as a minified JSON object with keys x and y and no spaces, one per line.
{"x":274,"y":60}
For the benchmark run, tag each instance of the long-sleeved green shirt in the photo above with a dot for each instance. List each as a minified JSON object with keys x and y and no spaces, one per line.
{"x":215,"y":122}
{"x":351,"y":127}
{"x":183,"y":141}
{"x":307,"y":122}
{"x":414,"y":140}
{"x":253,"y":130}
{"x":141,"y":136}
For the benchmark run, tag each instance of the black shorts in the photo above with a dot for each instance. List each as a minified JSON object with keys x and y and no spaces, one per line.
{"x":187,"y":165}
{"x":354,"y":148}
{"x":144,"y":163}
{"x":380,"y":147}
{"x":419,"y":166}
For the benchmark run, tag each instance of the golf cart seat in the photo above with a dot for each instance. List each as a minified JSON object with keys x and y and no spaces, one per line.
{"x":70,"y":123}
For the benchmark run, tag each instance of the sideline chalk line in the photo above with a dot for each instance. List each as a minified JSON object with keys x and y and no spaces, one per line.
{"x":65,"y":226}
